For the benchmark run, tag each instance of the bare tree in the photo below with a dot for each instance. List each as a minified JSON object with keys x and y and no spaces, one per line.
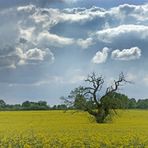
{"x":100,"y":110}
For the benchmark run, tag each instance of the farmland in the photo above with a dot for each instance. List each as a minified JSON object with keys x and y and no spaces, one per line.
{"x":37,"y":129}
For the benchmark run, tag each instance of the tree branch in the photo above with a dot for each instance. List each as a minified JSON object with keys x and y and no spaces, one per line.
{"x":116,"y":85}
{"x":97,"y":83}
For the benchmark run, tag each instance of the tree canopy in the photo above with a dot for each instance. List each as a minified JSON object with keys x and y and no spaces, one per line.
{"x":89,"y":98}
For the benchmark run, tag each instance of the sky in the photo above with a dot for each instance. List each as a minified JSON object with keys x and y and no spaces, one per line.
{"x":48,"y":47}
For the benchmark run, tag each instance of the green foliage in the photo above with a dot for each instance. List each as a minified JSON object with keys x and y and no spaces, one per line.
{"x":132,"y":103}
{"x":142,"y":104}
{"x":59,"y":107}
{"x":40,"y":105}
{"x":27,"y":105}
{"x":115,"y":101}
{"x":79,"y":99}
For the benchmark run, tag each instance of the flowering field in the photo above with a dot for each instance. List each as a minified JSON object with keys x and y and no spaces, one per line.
{"x":56,"y":129}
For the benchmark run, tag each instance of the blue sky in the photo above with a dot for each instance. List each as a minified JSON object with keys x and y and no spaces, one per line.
{"x":49,"y":47}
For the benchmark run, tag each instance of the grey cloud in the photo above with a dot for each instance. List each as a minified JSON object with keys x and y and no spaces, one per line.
{"x":20,"y":30}
{"x":29,"y":28}
{"x":95,"y":19}
{"x":122,"y":14}
{"x":36,"y":55}
{"x":9,"y":57}
{"x":12,"y":57}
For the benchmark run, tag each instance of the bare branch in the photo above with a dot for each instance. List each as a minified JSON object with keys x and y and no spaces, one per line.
{"x":88,"y":92}
{"x":89,"y":88}
{"x":68,"y":101}
{"x":117,"y":83}
{"x":97,"y":83}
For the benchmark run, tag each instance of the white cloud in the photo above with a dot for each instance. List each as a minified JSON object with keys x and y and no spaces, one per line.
{"x":47,"y":39}
{"x":34,"y":56}
{"x":123,"y":14}
{"x":16,"y":56}
{"x":85,"y":43}
{"x":81,"y":18}
{"x":101,"y":57}
{"x":27,"y":33}
{"x":127,"y":54}
{"x":29,"y":27}
{"x":81,"y":15}
{"x":24,"y":36}
{"x":122,"y":31}
{"x":27,"y":8}
{"x":131,"y":12}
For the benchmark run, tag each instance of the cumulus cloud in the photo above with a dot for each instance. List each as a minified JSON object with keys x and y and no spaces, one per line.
{"x":12,"y":57}
{"x":123,"y":14}
{"x":131,"y":13}
{"x":31,"y":27}
{"x":122,"y":31}
{"x":127,"y":54}
{"x":101,"y":56}
{"x":85,"y":43}
{"x":25,"y":32}
{"x":47,"y":39}
{"x":37,"y":55}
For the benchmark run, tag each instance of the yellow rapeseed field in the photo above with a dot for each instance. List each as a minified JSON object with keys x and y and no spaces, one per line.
{"x":56,"y":129}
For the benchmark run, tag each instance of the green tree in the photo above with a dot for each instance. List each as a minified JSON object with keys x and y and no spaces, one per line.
{"x":99,"y":107}
{"x":116,"y":101}
{"x":142,"y":104}
{"x":132,"y":103}
{"x":40,"y":105}
{"x":26,"y":104}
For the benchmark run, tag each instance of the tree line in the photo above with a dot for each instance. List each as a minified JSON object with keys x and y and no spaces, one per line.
{"x":29,"y":105}
{"x":120,"y":101}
